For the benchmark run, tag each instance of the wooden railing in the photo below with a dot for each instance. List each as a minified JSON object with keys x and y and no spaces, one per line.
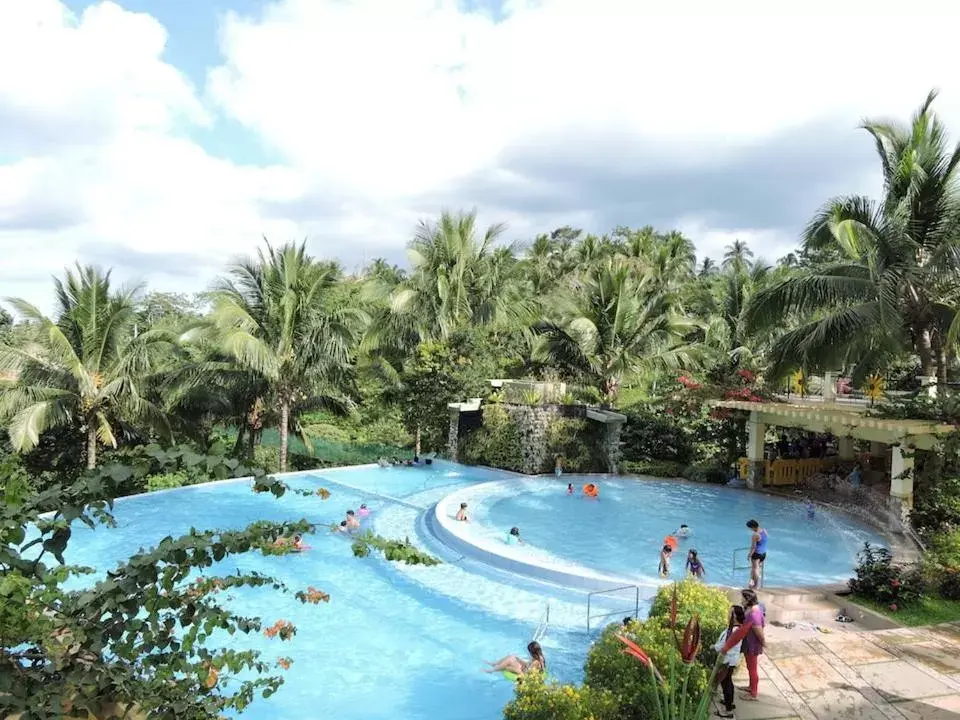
{"x":788,"y":472}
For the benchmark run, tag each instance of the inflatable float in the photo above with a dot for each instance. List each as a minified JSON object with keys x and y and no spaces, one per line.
{"x":591,"y":490}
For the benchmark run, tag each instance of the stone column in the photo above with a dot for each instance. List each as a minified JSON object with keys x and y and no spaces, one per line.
{"x":901,"y":481}
{"x":453,"y":434}
{"x":612,"y":446}
{"x":756,"y":433}
{"x":845,"y":448}
{"x":928,"y":384}
{"x":829,"y":390}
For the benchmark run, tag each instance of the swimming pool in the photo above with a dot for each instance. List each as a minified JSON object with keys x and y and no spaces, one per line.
{"x":621,"y":532}
{"x":387,"y":646}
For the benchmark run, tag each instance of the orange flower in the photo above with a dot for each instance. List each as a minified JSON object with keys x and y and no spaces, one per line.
{"x":212,"y":676}
{"x":285,"y":663}
{"x":316,"y":596}
{"x":635,"y":650}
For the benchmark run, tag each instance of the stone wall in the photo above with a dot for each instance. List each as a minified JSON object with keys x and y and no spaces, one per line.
{"x":533,"y":422}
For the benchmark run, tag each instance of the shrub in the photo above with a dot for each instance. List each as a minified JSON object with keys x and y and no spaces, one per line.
{"x":610,"y":670}
{"x":948,"y":585}
{"x":647,"y":437}
{"x":578,"y":442}
{"x":267,"y":458}
{"x":540,"y":700}
{"x":879,"y":579}
{"x":655,"y":468}
{"x":495,"y":443}
{"x":707,"y":472}
{"x":165,"y":481}
{"x":693,"y":596}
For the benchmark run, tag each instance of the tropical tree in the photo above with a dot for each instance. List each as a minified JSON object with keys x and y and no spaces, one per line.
{"x":274,"y":318}
{"x":620,"y":323}
{"x":727,"y":327}
{"x":896,"y":267}
{"x":86,"y":369}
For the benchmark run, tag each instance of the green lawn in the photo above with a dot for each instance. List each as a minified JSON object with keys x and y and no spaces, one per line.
{"x":929,"y":611}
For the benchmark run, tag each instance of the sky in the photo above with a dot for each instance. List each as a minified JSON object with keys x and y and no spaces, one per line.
{"x":161,"y":138}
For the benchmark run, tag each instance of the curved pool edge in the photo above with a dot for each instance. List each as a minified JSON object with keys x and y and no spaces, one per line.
{"x":511,"y":558}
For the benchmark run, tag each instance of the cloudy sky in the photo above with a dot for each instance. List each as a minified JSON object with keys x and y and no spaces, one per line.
{"x":162,"y":137}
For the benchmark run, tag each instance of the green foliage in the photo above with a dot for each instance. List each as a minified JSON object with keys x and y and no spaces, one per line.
{"x":936,"y":474}
{"x":166,"y":481}
{"x":537,"y":699}
{"x":496,"y":443}
{"x":694,"y":598}
{"x":402,"y":551}
{"x":140,"y":638}
{"x":707,"y":473}
{"x":609,"y":669}
{"x":879,"y":579}
{"x":649,"y":436}
{"x":578,"y":442}
{"x":654,"y":468}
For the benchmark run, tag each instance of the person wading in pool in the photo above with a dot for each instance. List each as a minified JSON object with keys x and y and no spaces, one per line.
{"x":758,"y":551}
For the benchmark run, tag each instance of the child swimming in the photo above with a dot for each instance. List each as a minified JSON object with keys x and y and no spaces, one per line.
{"x":665,"y":552}
{"x":513,"y":537}
{"x":352,"y":522}
{"x":694,"y":566}
{"x":569,"y":488}
{"x":684,"y":531}
{"x":363,"y":511}
{"x":462,"y":513}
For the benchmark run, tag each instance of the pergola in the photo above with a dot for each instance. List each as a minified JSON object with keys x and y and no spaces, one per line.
{"x":846,"y":421}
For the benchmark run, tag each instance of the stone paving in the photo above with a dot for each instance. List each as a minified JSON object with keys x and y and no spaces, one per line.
{"x":906,"y":673}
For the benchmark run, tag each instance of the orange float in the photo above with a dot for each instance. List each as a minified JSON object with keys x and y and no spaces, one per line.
{"x":671,"y":541}
{"x":591,"y":490}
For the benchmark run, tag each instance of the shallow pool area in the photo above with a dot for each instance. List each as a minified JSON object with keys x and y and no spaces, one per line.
{"x":621,"y":531}
{"x":401,"y":642}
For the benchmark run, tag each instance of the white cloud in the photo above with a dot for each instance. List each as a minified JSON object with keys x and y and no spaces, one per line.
{"x":376,"y":107}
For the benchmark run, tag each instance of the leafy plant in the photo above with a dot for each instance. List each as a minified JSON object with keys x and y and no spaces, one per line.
{"x":878,"y":578}
{"x":680,"y":602}
{"x":166,"y":481}
{"x":496,"y":443}
{"x":648,"y":436}
{"x":402,"y":551}
{"x":537,"y":699}
{"x":654,"y":468}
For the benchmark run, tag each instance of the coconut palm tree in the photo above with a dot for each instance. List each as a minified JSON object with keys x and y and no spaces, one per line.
{"x":899,"y":261}
{"x":620,"y":323}
{"x":274,"y":317}
{"x":86,"y":370}
{"x":732,"y":290}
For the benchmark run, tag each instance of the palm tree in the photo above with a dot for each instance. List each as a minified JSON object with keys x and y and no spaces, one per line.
{"x":898,"y":262}
{"x":274,"y":317}
{"x":87,"y":369}
{"x":737,"y":255}
{"x":728,"y":330}
{"x":620,"y":323}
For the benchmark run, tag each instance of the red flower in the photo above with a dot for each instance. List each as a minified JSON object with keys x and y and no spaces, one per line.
{"x":690,"y":644}
{"x":635,"y":650}
{"x":893,"y":606}
{"x":894,"y":583}
{"x":747,"y":375}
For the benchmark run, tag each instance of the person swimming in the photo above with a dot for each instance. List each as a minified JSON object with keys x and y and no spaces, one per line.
{"x":341,"y":528}
{"x":462,"y":513}
{"x":518,"y":666}
{"x":363,"y":511}
{"x":665,"y":552}
{"x":569,"y":488}
{"x":352,"y":522}
{"x":428,"y":461}
{"x":513,"y":537}
{"x":811,"y":510}
{"x":694,"y":566}
{"x":683,"y":531}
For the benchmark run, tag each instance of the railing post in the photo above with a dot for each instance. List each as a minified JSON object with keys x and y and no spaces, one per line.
{"x":589,"y":595}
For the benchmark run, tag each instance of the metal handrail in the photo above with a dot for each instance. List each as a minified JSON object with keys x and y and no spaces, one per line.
{"x":636,"y":608}
{"x":748,"y":566}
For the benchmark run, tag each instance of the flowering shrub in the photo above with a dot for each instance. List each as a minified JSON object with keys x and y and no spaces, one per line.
{"x":540,"y":700}
{"x":878,"y":578}
{"x":693,"y":597}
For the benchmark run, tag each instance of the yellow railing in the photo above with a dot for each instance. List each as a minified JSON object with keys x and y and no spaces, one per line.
{"x":788,"y":472}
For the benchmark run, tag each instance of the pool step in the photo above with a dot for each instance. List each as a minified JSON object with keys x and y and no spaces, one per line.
{"x":784,"y":605}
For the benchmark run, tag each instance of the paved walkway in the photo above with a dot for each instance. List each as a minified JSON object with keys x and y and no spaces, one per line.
{"x":907,"y":673}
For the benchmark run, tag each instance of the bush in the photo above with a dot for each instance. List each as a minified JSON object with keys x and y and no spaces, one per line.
{"x":612,"y":671}
{"x":647,"y":437}
{"x":267,"y":458}
{"x":948,"y":585}
{"x":495,"y":443}
{"x":879,"y":579}
{"x":578,"y":442}
{"x":166,"y":481}
{"x":707,"y":473}
{"x":654,"y":468}
{"x":693,"y":596}
{"x":540,"y":700}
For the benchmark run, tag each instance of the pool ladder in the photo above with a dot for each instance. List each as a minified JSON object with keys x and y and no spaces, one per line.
{"x":748,"y":566}
{"x":634,"y":611}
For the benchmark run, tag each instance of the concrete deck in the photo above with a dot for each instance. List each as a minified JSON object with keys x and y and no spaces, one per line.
{"x":905,"y":673}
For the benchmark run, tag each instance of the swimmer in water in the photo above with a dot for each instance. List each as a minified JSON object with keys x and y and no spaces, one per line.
{"x":519,"y":666}
{"x":811,"y":510}
{"x":569,"y":488}
{"x":665,"y":552}
{"x":462,"y":513}
{"x":513,"y":537}
{"x":363,"y":511}
{"x":684,"y":531}
{"x":352,"y":522}
{"x":694,"y":566}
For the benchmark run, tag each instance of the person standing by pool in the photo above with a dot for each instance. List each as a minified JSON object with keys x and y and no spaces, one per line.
{"x":558,"y":466}
{"x":758,"y":551}
{"x":730,"y":661}
{"x":855,"y":477}
{"x":753,"y":641}
{"x":694,"y":566}
{"x":665,"y":552}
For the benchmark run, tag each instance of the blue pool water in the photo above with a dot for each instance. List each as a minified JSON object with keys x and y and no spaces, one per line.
{"x":621,"y":532}
{"x":384,"y":648}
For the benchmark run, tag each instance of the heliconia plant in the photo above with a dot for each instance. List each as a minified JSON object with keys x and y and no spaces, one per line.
{"x":671,"y":698}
